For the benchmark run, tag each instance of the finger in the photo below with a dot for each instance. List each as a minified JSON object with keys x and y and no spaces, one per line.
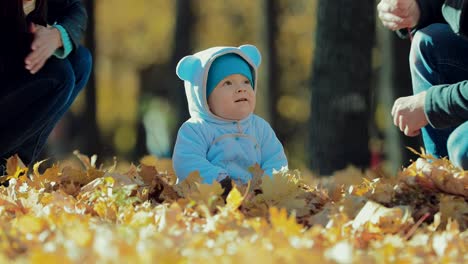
{"x":38,"y":66}
{"x":35,"y":56}
{"x":384,"y":7}
{"x":42,"y":56}
{"x":401,"y":123}
{"x":396,"y":26}
{"x":390,"y":25}
{"x":32,"y":57}
{"x":407,"y":131}
{"x":396,"y":118}
{"x":395,"y":22}
{"x":391,"y":18}
{"x":414,"y":133}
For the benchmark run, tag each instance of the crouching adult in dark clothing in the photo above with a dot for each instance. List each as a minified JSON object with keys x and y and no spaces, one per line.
{"x":439,"y":69}
{"x":43,"y":68}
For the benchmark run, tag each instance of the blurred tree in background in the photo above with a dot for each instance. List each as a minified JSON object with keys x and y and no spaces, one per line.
{"x":342,"y":75}
{"x":135,"y":103}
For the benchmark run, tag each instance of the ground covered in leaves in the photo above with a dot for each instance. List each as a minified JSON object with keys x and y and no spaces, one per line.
{"x":81,"y":213}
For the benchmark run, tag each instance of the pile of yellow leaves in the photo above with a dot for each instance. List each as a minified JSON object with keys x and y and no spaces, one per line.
{"x":76,"y":214}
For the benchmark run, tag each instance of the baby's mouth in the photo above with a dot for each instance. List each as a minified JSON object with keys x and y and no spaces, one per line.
{"x":241,"y":100}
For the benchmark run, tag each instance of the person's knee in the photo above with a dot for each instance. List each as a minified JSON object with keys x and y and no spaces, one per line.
{"x":457,"y":146}
{"x":59,"y":71}
{"x":81,"y":62}
{"x":428,"y":41}
{"x":84,"y":55}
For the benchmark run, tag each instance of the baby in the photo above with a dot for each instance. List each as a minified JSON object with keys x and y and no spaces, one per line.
{"x":223,"y":138}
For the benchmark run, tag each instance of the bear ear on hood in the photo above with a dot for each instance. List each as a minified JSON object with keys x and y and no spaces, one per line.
{"x":253,"y":53}
{"x":188,"y":67}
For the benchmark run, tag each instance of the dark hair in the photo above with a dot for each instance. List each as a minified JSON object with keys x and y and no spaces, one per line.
{"x":15,"y":26}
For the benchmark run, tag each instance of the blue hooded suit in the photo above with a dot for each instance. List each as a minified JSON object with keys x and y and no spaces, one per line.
{"x":218,"y":147}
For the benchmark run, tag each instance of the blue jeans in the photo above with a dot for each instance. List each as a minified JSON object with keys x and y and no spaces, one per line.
{"x":439,"y":56}
{"x":31,"y":106}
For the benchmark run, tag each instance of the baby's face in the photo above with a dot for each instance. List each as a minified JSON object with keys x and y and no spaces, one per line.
{"x":233,"y":98}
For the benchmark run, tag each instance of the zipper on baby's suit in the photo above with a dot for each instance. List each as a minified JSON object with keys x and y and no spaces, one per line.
{"x":239,"y":127}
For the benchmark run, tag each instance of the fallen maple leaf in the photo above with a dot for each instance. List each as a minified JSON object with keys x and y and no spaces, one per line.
{"x":281,"y":222}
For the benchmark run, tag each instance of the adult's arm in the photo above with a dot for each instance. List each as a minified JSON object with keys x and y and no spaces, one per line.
{"x":447,"y":105}
{"x":71,"y":15}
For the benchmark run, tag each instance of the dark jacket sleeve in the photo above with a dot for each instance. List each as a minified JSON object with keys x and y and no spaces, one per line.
{"x":71,"y":15}
{"x":453,"y":12}
{"x":447,"y":105}
{"x":431,"y":12}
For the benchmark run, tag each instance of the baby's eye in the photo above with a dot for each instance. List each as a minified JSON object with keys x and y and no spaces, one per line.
{"x":227,"y":83}
{"x":247,"y":81}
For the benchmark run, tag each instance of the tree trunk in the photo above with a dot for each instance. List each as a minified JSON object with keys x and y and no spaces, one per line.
{"x":341,"y":80}
{"x":161,"y":80}
{"x":91,"y":143}
{"x":182,"y":44}
{"x":271,"y":28}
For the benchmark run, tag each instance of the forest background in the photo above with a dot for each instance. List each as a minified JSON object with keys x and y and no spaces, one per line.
{"x":329,"y":75}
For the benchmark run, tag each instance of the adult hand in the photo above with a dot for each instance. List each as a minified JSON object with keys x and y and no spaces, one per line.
{"x":408,"y":114}
{"x":46,"y":41}
{"x":398,"y":14}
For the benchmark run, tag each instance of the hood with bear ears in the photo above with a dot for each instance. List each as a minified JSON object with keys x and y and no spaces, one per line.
{"x":193,"y":70}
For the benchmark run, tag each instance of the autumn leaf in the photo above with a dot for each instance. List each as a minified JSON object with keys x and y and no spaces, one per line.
{"x":148,"y":173}
{"x":208,"y":193}
{"x":188,"y":185}
{"x":382,"y":219}
{"x":455,"y":208}
{"x":51,"y":174}
{"x":15,"y":169}
{"x":281,"y":222}
{"x":164,"y":167}
{"x":441,"y":175}
{"x":234,"y":199}
{"x":85,"y":160}
{"x":113,"y":217}
{"x":257,"y":176}
{"x":13,"y":164}
{"x":282,"y":190}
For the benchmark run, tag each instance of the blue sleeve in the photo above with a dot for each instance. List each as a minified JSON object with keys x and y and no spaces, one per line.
{"x":66,"y":41}
{"x":273,"y":156}
{"x":190,"y":155}
{"x":71,"y":15}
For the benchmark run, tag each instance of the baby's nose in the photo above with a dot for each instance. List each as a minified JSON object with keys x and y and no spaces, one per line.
{"x":241,"y":89}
